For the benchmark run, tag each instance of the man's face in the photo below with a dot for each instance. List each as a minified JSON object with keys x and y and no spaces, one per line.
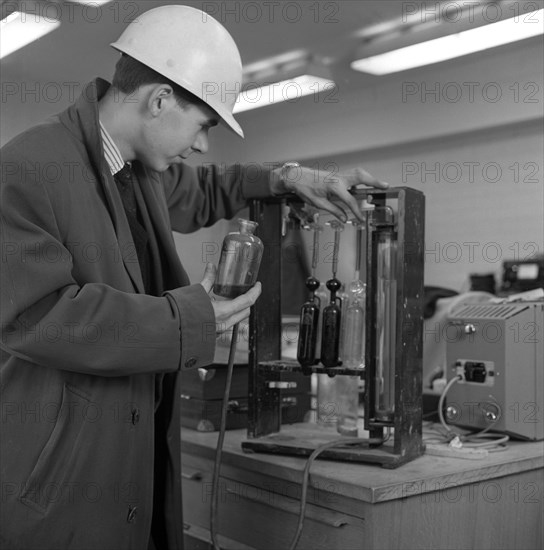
{"x":175,"y":132}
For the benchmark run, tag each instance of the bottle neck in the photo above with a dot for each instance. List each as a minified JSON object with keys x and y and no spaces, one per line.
{"x":247,"y":227}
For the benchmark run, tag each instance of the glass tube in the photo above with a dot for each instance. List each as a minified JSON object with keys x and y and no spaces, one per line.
{"x":347,"y":398}
{"x":386,"y":294}
{"x":352,"y":358}
{"x":327,"y":400}
{"x":353,"y":336}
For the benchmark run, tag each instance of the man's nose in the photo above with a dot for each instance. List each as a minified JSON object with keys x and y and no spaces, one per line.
{"x":201,"y":143}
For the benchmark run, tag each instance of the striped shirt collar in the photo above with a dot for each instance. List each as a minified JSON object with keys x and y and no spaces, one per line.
{"x":111,"y":151}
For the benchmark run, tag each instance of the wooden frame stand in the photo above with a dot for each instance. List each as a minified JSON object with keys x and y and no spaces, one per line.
{"x":266,"y":366}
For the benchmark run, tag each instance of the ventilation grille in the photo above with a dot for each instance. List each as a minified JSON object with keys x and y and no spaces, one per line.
{"x":489,"y":311}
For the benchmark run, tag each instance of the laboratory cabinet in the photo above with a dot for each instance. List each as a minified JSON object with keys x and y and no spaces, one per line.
{"x":432,"y":502}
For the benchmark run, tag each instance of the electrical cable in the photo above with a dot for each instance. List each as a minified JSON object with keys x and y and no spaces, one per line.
{"x":306,"y":474}
{"x":443,"y":398}
{"x":496,"y":443}
{"x":220,"y":440}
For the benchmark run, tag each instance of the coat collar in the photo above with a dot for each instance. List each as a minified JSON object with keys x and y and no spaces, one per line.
{"x":82,"y":120}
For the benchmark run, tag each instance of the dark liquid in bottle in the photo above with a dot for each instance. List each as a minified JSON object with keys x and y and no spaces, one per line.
{"x":307,"y":339}
{"x":330,"y":336}
{"x":230,"y":291}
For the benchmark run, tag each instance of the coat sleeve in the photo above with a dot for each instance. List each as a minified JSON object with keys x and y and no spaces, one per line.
{"x":50,"y":319}
{"x":199,"y":197}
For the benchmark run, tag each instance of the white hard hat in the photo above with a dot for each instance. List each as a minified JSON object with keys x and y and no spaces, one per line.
{"x":192,"y":49}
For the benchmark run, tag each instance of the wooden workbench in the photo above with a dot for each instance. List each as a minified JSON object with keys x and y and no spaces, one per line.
{"x":432,"y":502}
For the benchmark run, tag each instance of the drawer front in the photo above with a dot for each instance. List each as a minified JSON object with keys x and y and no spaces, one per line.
{"x":265,"y":516}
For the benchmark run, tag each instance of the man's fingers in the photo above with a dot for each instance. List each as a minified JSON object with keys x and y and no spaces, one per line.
{"x":226,"y":308}
{"x":240,"y":316}
{"x":232,"y":320}
{"x":243,"y":304}
{"x":324,"y":204}
{"x":351,"y":202}
{"x":230,"y":312}
{"x":209,"y":277}
{"x":248,"y":299}
{"x":358,"y":176}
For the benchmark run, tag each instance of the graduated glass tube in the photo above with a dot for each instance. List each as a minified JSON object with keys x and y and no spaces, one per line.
{"x":347,"y":386}
{"x":353,"y":338}
{"x":354,"y":329}
{"x":386,"y":303}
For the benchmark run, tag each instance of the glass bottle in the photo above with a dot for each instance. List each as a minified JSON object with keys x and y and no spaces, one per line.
{"x":330,"y":333}
{"x":241,"y":256}
{"x":321,"y":295}
{"x":309,"y":317}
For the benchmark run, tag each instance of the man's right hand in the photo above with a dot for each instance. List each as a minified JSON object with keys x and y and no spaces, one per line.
{"x":229,"y":312}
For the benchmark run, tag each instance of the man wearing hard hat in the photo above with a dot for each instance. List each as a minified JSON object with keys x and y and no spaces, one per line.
{"x":98,"y":314}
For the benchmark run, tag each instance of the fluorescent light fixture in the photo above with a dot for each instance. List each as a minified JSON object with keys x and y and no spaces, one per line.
{"x":285,"y":90}
{"x":273,"y":64}
{"x":286,"y":77}
{"x":91,"y":3}
{"x":454,"y":45}
{"x":19,"y":29}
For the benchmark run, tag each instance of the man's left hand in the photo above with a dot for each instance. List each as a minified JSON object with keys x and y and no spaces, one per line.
{"x":319,"y":187}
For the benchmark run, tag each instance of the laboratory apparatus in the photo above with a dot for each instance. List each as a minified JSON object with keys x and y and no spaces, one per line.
{"x":387,"y":315}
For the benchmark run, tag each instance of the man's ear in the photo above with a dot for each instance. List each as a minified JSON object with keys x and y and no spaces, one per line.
{"x":159,"y":98}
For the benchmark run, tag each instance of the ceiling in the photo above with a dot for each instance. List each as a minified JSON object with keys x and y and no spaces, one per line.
{"x":79,"y":49}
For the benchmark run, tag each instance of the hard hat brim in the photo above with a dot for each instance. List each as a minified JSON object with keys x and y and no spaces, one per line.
{"x":231,"y":122}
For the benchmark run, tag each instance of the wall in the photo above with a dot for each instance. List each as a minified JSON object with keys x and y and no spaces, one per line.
{"x":466,"y":132}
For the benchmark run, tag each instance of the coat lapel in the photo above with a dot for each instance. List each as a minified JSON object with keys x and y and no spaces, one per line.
{"x":82,"y":118}
{"x":151,"y":202}
{"x":122,"y":229}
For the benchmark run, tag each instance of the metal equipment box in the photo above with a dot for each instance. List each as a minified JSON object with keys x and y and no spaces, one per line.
{"x":498,"y":349}
{"x":202,"y":398}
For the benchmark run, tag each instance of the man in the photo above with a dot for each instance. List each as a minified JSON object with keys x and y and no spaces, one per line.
{"x":98,"y":315}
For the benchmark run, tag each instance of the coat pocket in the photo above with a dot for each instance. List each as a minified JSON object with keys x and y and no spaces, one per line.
{"x":46,"y":483}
